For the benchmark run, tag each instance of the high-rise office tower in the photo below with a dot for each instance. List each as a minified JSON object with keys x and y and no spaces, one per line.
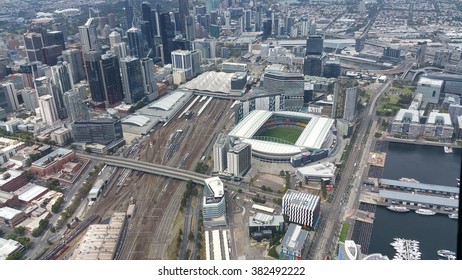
{"x":314,"y":45}
{"x":56,"y":38}
{"x":94,"y":75}
{"x":34,"y":44}
{"x":258,"y":19}
{"x":149,"y":80}
{"x":120,"y":49}
{"x":135,"y":42}
{"x":8,"y":98}
{"x":112,"y":82}
{"x":167,"y":32}
{"x":351,"y":98}
{"x":196,"y":59}
{"x":48,"y":109}
{"x":75,"y":107}
{"x":102,"y":131}
{"x":182,"y":60}
{"x":267,"y":31}
{"x":239,"y":158}
{"x":50,"y":54}
{"x":30,"y":98}
{"x":132,"y":79}
{"x":61,"y":76}
{"x":183,"y":9}
{"x":74,"y":58}
{"x":190,"y":28}
{"x":248,"y":21}
{"x":150,"y":27}
{"x":61,"y":27}
{"x":421,"y":52}
{"x":88,"y":36}
{"x":312,"y":64}
{"x":129,"y":13}
{"x":114,"y":38}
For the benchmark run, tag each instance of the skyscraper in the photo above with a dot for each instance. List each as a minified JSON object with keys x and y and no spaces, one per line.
{"x":129,"y":13}
{"x":149,"y":80}
{"x":76,"y":108}
{"x":135,"y":42}
{"x":167,"y":32}
{"x":48,"y":109}
{"x":182,"y":60}
{"x":120,"y":49}
{"x":74,"y":58}
{"x":148,"y":15}
{"x":62,"y":77}
{"x":88,"y":36}
{"x":94,"y":75}
{"x":312,"y":65}
{"x":101,"y":131}
{"x":183,"y":9}
{"x":421,"y":52}
{"x":8,"y":98}
{"x":112,"y":82}
{"x":33,"y":43}
{"x":56,"y":38}
{"x":351,"y":97}
{"x":114,"y":38}
{"x":314,"y":45}
{"x":132,"y":79}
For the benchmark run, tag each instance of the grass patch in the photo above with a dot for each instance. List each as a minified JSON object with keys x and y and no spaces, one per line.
{"x":389,"y":106}
{"x":289,"y":134}
{"x":344,"y":232}
{"x":405,"y":89}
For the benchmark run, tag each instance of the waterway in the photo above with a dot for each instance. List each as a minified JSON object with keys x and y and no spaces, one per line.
{"x":427,"y":164}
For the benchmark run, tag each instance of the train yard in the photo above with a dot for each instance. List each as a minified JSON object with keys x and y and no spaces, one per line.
{"x":180,"y":144}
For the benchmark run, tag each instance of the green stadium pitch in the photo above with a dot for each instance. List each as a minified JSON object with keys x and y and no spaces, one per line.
{"x":289,"y":134}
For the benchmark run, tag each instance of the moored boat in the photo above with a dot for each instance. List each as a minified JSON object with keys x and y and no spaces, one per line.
{"x":395,"y":208}
{"x":446,"y":253}
{"x":425,"y":212}
{"x":454,"y":216}
{"x":447,"y":150}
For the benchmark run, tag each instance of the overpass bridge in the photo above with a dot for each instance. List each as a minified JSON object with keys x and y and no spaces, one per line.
{"x":172,"y":172}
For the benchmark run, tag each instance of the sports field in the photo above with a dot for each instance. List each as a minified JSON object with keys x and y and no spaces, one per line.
{"x":289,"y":134}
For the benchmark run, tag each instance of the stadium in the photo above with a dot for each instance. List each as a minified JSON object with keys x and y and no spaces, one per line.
{"x":278,"y":136}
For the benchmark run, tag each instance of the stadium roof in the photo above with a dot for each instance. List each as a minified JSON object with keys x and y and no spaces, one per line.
{"x":136,"y":120}
{"x":315,"y":132}
{"x":167,"y":102}
{"x":419,"y":198}
{"x":211,"y":81}
{"x":312,"y":137}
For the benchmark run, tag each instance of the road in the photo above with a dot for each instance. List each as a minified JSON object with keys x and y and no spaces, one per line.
{"x":332,"y":216}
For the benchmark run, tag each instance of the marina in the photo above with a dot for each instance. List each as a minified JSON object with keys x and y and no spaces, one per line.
{"x":406,"y":249}
{"x":439,"y":173}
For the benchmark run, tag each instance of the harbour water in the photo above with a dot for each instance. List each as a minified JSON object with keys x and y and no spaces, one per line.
{"x":427,"y":164}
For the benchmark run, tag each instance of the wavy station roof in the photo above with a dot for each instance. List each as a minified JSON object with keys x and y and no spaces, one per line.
{"x":211,"y":82}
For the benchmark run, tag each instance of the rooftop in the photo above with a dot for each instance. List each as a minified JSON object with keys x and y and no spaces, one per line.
{"x":32,"y":193}
{"x":7,"y":247}
{"x":166,"y":103}
{"x":420,"y":186}
{"x":217,"y":82}
{"x":295,"y":237}
{"x":321,"y":169}
{"x":261,"y":219}
{"x":216,"y":186}
{"x":9,"y":175}
{"x":8,"y":213}
{"x":419,"y":198}
{"x":44,"y":161}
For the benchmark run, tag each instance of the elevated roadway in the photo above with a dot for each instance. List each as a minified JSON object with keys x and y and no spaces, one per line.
{"x":172,"y":172}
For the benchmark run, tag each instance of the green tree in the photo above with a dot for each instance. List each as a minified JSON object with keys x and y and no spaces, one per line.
{"x":239,"y":190}
{"x":20,"y":230}
{"x":191,"y":236}
{"x":88,"y":150}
